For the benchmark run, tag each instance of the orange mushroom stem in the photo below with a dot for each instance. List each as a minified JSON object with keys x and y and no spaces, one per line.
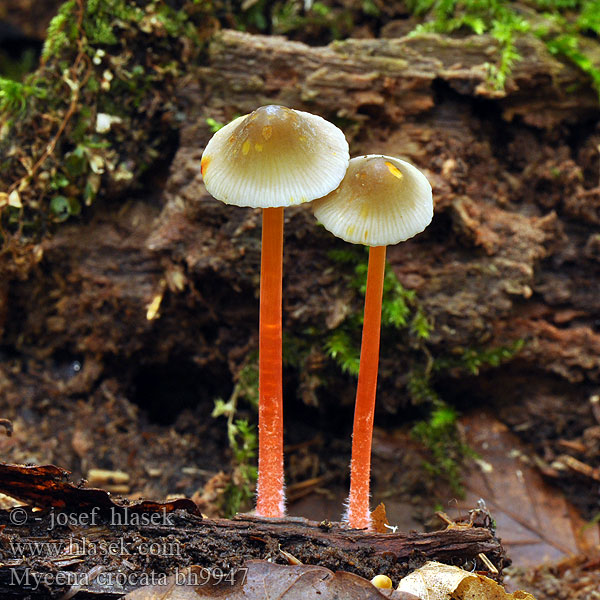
{"x":270,"y":500}
{"x":359,"y":515}
{"x":382,"y":200}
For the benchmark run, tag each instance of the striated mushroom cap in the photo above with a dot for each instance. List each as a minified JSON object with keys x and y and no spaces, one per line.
{"x":275,"y":156}
{"x":382,"y":200}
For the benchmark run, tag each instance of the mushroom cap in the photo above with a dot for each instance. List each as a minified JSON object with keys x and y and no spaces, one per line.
{"x":382,"y":200}
{"x":275,"y":156}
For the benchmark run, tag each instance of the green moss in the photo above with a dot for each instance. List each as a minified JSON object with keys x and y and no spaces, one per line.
{"x":98,"y":112}
{"x":438,"y":431}
{"x":471,"y":360}
{"x":243,"y":439}
{"x":105,"y":18}
{"x":568,"y":45}
{"x":14,"y":96}
{"x":400,"y":311}
{"x":439,"y":434}
{"x":341,"y":346}
{"x":247,"y":380}
{"x":561,"y":24}
{"x":325,"y":20}
{"x":214,"y":125}
{"x":62,"y":30}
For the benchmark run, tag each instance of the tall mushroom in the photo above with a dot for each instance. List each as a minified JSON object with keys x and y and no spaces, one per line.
{"x":381,"y":201}
{"x":272,"y":158}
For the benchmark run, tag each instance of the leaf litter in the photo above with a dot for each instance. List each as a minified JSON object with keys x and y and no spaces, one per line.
{"x":262,"y":580}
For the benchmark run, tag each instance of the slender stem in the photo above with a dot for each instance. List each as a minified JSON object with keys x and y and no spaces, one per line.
{"x":270,"y":496}
{"x":359,"y":515}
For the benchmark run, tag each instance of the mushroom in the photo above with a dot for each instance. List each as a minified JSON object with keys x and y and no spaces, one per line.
{"x":272,"y":158}
{"x":381,"y":201}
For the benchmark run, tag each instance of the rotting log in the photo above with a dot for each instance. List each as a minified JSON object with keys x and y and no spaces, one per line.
{"x":512,"y":252}
{"x":515,"y":200}
{"x":76,"y":530}
{"x":39,"y":549}
{"x":391,"y":78}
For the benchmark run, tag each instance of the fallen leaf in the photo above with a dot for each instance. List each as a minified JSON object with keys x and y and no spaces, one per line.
{"x":437,"y":581}
{"x":379,"y":519}
{"x":261,"y":580}
{"x":534,"y":520}
{"x":481,"y":587}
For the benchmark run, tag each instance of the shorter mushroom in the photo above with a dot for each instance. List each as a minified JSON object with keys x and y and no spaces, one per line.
{"x":382,"y":200}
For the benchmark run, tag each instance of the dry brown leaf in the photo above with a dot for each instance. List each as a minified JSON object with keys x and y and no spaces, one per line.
{"x":534,"y":520}
{"x":437,"y":581}
{"x":260,"y":580}
{"x":379,"y":519}
{"x":481,"y":587}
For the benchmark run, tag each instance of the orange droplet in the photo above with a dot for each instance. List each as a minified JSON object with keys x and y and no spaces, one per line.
{"x":204,"y":164}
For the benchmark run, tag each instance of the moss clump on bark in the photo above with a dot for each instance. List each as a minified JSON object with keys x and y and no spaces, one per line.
{"x":569,"y":28}
{"x":99,"y":111}
{"x":566,"y":26}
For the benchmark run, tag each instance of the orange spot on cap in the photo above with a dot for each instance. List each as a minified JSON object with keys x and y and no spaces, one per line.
{"x":204,"y":164}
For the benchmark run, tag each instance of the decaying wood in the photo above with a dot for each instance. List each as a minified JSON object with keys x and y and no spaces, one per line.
{"x":176,"y":540}
{"x":390,"y":78}
{"x":83,"y":530}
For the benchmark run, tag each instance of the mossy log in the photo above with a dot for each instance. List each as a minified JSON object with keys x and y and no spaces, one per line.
{"x":513,"y":252}
{"x":386,"y":81}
